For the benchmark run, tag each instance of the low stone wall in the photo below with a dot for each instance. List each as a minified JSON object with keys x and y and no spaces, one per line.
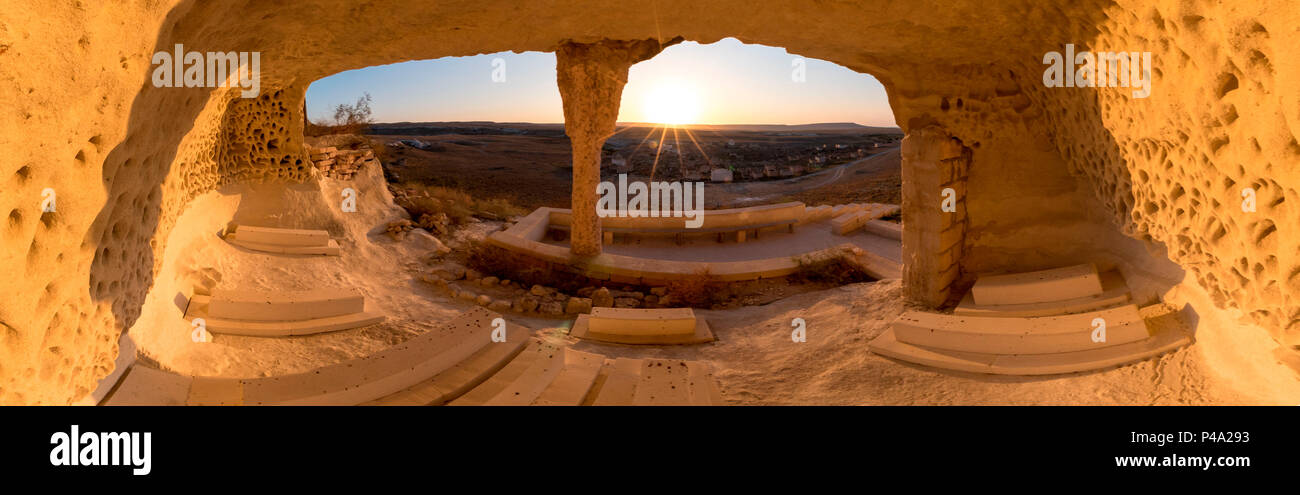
{"x":340,"y":164}
{"x":526,"y":235}
{"x":730,"y":217}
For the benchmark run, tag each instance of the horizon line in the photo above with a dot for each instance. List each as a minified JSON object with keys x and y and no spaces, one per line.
{"x":647,"y":124}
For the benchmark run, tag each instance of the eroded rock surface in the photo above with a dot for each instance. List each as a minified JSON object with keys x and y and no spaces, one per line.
{"x":1053,"y":169}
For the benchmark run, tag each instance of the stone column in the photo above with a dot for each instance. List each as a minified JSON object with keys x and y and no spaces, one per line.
{"x":591,"y":78}
{"x":933,"y":239}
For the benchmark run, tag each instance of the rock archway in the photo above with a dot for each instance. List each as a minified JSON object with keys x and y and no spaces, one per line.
{"x":1057,"y":174}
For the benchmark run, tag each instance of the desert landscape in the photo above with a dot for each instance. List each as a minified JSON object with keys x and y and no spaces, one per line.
{"x":476,"y":157}
{"x":175,"y":240}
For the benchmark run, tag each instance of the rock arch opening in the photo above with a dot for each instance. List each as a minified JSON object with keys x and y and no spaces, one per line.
{"x":1090,"y":174}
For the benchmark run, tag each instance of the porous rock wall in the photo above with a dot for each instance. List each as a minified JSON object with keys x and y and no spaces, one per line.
{"x":79,"y":115}
{"x":1224,"y":115}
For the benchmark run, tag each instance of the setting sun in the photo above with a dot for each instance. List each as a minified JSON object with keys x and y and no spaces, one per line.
{"x":672,"y":103}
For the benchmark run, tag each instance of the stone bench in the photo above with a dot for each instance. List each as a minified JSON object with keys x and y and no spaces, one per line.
{"x":679,"y":233}
{"x":720,"y":222}
{"x":1114,"y":293}
{"x":884,"y":228}
{"x":282,"y":241}
{"x":844,"y":224}
{"x":1000,"y":335}
{"x":525,"y":236}
{"x":281,"y":314}
{"x":723,"y":221}
{"x":198,"y":308}
{"x":845,"y":209}
{"x":1168,"y":333}
{"x":816,"y":214}
{"x":282,"y":237}
{"x":642,"y":326}
{"x":862,"y":215}
{"x":356,"y":381}
{"x":260,"y":305}
{"x":1056,"y":284}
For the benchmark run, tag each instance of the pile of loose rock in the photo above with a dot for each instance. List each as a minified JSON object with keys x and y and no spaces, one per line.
{"x":398,"y":229}
{"x":505,"y":295}
{"x":340,"y":164}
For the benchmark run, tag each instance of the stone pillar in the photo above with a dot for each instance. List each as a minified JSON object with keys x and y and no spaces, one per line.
{"x":591,"y":78}
{"x":932,"y":238}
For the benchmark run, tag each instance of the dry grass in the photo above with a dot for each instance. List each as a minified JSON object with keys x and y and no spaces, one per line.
{"x":382,"y":152}
{"x":423,"y":199}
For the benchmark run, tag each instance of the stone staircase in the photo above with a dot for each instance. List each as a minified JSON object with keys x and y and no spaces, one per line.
{"x":546,"y":374}
{"x":461,"y":349}
{"x":281,"y":313}
{"x":1037,"y":323}
{"x":282,"y":241}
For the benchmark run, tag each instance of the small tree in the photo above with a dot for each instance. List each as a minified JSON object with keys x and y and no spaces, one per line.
{"x":355,"y":117}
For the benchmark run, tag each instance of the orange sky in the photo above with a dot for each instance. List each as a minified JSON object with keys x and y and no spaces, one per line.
{"x":724,"y":83}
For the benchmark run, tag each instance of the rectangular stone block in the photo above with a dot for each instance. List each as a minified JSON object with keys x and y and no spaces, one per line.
{"x":283,"y":237}
{"x":1041,"y":286}
{"x":284,"y":305}
{"x":630,"y":321}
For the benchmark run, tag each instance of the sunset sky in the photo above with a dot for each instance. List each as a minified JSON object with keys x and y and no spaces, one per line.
{"x":723,"y":83}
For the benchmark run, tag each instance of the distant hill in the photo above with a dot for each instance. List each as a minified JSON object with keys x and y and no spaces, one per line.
{"x":485,"y":127}
{"x":820,"y":127}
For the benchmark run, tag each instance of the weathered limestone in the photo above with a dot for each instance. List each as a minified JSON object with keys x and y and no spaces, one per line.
{"x":1114,"y":293}
{"x":284,"y":305}
{"x":341,"y":164}
{"x":591,"y":78}
{"x":460,"y":378}
{"x":546,"y":374}
{"x":525,"y":236}
{"x":884,"y":229}
{"x":281,"y":314}
{"x":286,"y":237}
{"x":989,"y":348}
{"x":1049,"y":321}
{"x":1054,"y":284}
{"x":1040,"y":335}
{"x":642,"y":326}
{"x":1164,"y":340}
{"x":933,"y":241}
{"x":1167,"y":171}
{"x":453,"y":357}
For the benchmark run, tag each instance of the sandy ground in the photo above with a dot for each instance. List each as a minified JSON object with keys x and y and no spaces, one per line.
{"x":756,"y":361}
{"x":384,"y":270}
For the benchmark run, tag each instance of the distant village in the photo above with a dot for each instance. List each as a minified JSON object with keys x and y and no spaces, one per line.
{"x":739,"y":158}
